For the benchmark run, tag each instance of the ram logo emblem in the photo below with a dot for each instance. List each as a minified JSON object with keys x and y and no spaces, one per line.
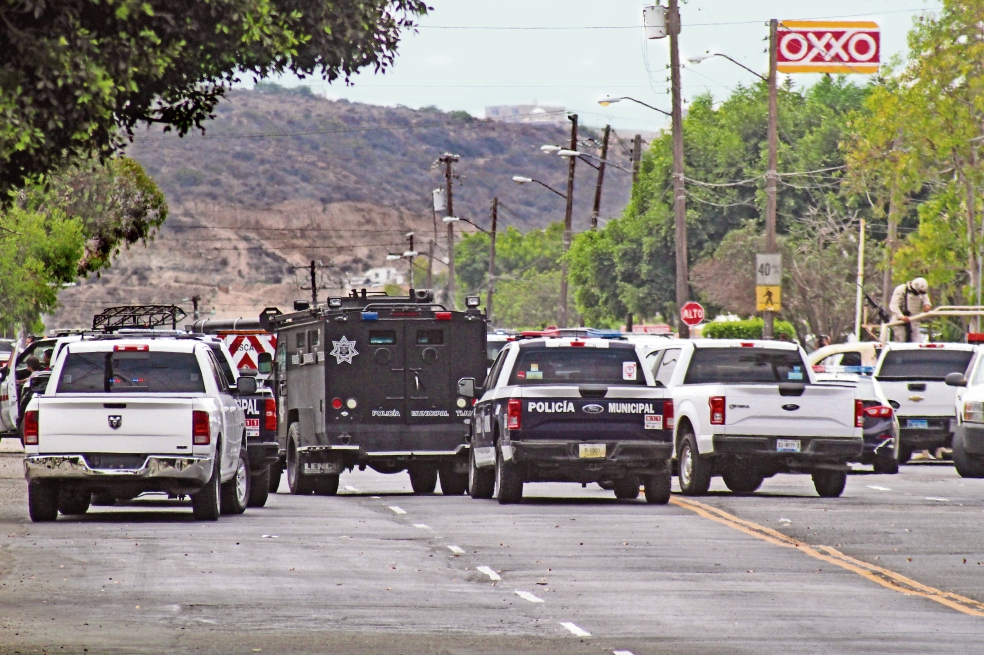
{"x":115,"y":421}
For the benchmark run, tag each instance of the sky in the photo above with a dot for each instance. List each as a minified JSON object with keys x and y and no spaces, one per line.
{"x":573,"y":52}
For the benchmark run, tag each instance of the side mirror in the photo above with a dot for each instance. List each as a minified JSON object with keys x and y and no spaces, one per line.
{"x":956,"y":380}
{"x":895,"y":404}
{"x":246,"y":386}
{"x":265,"y":363}
{"x":247,"y":372}
{"x":3,"y":373}
{"x":466,"y":387}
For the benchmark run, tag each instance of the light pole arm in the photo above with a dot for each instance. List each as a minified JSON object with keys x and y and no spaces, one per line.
{"x":738,"y":63}
{"x":640,"y":102}
{"x":547,"y":186}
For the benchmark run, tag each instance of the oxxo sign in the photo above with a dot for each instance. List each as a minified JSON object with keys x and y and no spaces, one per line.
{"x":692,"y":313}
{"x":828,"y":47}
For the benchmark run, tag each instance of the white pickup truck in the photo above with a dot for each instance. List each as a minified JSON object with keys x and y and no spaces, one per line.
{"x":746,"y":410}
{"x":913,"y":377}
{"x":123,"y":416}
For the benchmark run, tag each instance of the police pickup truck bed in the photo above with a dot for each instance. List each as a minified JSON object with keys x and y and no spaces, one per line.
{"x":121,"y":417}
{"x":746,"y":410}
{"x":570,"y":410}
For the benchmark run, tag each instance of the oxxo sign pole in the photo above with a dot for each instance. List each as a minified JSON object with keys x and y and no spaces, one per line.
{"x":771,"y":175}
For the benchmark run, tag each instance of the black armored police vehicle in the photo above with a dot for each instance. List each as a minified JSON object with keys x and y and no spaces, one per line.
{"x":372,"y":380}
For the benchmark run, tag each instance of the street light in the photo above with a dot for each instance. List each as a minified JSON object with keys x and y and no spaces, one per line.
{"x":519,"y":179}
{"x":610,"y":100}
{"x":450,"y":219}
{"x":704,"y":57}
{"x":550,"y":149}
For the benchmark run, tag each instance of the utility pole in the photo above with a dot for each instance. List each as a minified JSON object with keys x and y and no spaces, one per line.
{"x":679,"y":193}
{"x":636,"y":157}
{"x":448,"y":159}
{"x":490,"y":292}
{"x":596,"y":209}
{"x":568,"y":214}
{"x":860,"y":283}
{"x":430,"y":265}
{"x":413,"y":258}
{"x":195,"y":299}
{"x":771,"y":175}
{"x":314,"y":284}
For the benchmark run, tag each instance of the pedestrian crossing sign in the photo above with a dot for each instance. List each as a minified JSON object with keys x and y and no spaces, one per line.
{"x":768,"y":298}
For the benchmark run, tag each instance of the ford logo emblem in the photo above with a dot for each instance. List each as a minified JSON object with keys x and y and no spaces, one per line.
{"x":593,"y":409}
{"x":790,"y":407}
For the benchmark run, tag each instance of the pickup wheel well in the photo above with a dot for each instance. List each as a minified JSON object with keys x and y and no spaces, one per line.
{"x":683,"y":428}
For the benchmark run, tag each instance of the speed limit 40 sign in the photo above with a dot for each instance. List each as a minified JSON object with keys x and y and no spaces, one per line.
{"x":768,"y":270}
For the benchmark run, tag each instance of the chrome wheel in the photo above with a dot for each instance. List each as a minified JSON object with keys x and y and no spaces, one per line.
{"x":242,"y":475}
{"x":686,"y":466}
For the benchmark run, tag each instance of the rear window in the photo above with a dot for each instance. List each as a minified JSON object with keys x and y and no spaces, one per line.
{"x":928,"y":364}
{"x":577,"y":366}
{"x":223,"y":363}
{"x":131,"y":372}
{"x":745,"y":366}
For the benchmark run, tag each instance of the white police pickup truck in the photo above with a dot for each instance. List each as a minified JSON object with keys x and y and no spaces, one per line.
{"x":122,"y":416}
{"x":569,"y":410}
{"x":746,"y":410}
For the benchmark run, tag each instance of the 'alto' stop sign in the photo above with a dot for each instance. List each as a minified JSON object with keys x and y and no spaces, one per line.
{"x":692,"y":313}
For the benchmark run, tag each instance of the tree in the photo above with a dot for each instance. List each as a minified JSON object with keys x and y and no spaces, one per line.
{"x":78,"y":76}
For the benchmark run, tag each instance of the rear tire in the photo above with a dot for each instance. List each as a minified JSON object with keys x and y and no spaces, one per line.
{"x":326,"y":485}
{"x":276,"y":472}
{"x":905,"y":454}
{"x":73,"y":502}
{"x":42,"y":501}
{"x":452,"y":483}
{"x":658,"y":487}
{"x":299,"y":484}
{"x":695,"y":471}
{"x":508,"y":483}
{"x":206,"y":503}
{"x":259,"y":488}
{"x":742,"y":481}
{"x":887,"y":465}
{"x":103,"y":499}
{"x":481,"y":482}
{"x":829,"y":484}
{"x":235,"y":492}
{"x":627,"y":488}
{"x":967,"y":464}
{"x":423,"y":478}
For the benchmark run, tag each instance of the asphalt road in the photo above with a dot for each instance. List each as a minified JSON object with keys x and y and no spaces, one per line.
{"x":570,"y":570}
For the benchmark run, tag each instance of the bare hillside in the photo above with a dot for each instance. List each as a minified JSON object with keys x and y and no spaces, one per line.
{"x":280,"y":179}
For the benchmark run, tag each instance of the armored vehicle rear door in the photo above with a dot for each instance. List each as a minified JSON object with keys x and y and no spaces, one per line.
{"x":428,"y":370}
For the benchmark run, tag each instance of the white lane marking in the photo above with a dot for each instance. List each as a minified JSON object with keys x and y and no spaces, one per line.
{"x":525,"y":595}
{"x":422,"y":526}
{"x":397,"y":510}
{"x":877,"y":488}
{"x":622,"y":652}
{"x":574,"y":630}
{"x":349,"y":487}
{"x":376,"y":497}
{"x":942,"y":500}
{"x":456,"y":550}
{"x":489,"y":572}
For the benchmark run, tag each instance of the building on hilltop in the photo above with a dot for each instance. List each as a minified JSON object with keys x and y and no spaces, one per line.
{"x":534,"y":113}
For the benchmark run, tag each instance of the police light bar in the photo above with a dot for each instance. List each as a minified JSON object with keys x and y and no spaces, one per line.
{"x":370,"y":316}
{"x":472,"y":301}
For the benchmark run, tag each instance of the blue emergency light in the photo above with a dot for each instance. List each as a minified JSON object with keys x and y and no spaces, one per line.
{"x":370,"y":316}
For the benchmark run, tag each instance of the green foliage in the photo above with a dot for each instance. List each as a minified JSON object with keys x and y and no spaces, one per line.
{"x":38,"y":252}
{"x":747,"y":329}
{"x":629,"y":265}
{"x":77,"y":76}
{"x":273,"y":88}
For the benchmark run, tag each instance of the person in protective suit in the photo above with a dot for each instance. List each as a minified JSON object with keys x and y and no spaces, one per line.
{"x":908,"y":300}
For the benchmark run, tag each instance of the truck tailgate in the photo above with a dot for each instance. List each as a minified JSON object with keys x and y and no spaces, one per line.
{"x":759,"y":409}
{"x":921,"y":398}
{"x":621,"y":413}
{"x":85,"y":425}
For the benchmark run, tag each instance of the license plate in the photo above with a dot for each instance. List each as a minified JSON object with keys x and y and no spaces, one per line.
{"x":653,"y":422}
{"x":919,"y":423}
{"x":787,"y":445}
{"x":591,"y":450}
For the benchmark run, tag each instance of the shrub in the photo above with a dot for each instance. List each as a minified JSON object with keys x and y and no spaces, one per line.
{"x":747,"y":329}
{"x":188,"y":177}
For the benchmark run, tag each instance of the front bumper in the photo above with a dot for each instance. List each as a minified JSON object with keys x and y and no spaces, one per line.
{"x":972,"y":437}
{"x":812,"y":449}
{"x":195,"y":471}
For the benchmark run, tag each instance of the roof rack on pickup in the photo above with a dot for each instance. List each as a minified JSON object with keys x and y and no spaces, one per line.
{"x":144,"y":317}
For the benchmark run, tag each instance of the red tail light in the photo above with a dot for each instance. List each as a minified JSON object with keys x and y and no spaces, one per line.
{"x":514,"y":420}
{"x":336,"y":403}
{"x":31,"y":428}
{"x":442,"y":316}
{"x":142,"y":348}
{"x":201,"y":429}
{"x":858,"y":414}
{"x":668,"y":418}
{"x":577,"y":344}
{"x":270,"y":414}
{"x":878,"y":411}
{"x":717,"y":410}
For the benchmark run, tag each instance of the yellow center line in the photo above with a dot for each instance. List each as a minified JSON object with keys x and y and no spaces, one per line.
{"x":882,"y":576}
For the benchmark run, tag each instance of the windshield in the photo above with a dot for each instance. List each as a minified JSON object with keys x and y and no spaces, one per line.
{"x":745,"y":366}
{"x":928,"y":364}
{"x":577,"y":366}
{"x":131,"y":372}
